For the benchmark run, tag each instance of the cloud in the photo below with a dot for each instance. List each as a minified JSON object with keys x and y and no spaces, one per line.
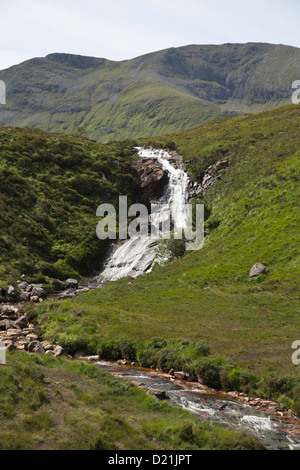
{"x":122,"y":29}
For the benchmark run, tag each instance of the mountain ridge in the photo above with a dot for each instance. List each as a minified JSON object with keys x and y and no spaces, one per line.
{"x":153,"y":94}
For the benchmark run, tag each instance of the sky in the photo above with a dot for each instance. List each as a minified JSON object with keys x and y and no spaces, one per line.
{"x":123,"y":29}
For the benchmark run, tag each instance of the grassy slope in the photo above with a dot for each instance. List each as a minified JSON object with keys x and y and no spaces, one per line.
{"x":165,"y":91}
{"x":48,"y":403}
{"x":207,"y":294}
{"x":51,"y":185}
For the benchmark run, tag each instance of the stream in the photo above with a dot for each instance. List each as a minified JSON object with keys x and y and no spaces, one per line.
{"x":136,"y":256}
{"x":273,"y":431}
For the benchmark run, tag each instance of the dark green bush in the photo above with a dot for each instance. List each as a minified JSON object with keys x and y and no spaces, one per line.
{"x":296,"y":398}
{"x":209,"y":371}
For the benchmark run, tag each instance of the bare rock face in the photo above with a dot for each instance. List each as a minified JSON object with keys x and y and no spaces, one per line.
{"x":212,"y":174}
{"x":258,"y":269}
{"x":152,"y":179}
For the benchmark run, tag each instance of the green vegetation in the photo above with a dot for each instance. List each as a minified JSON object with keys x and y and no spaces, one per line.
{"x":48,"y":403}
{"x":154,"y":94}
{"x":51,"y":185}
{"x":207,"y":295}
{"x":202,"y":298}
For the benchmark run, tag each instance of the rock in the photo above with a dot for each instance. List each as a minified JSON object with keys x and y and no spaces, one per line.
{"x":21,"y":322}
{"x":13,"y":293}
{"x":32,"y":337}
{"x":81,"y":291}
{"x":39,"y":291}
{"x":11,"y":325}
{"x":10,"y":290}
{"x":22,"y":345}
{"x":90,"y":358}
{"x":258,"y":269}
{"x":180,"y":375}
{"x":35,"y":346}
{"x":49,"y":351}
{"x":58,"y":351}
{"x":171,"y":372}
{"x":24,"y":296}
{"x":47,"y":346}
{"x":123,"y":362}
{"x":27,"y":331}
{"x":212,"y":174}
{"x":34,"y":298}
{"x":159,"y":394}
{"x":22,"y":285}
{"x":9,"y":311}
{"x":13,"y":332}
{"x":71,"y":284}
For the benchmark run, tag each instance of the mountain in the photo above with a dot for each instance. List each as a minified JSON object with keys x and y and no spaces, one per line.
{"x":154,"y":94}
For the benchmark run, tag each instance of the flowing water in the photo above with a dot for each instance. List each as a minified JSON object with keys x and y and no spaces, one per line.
{"x":274,"y":432}
{"x":137,"y":254}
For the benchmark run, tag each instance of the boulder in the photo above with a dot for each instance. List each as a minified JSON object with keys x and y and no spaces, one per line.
{"x":21,"y":322}
{"x":47,"y":346}
{"x":258,"y":269}
{"x":58,"y":351}
{"x":24,"y":296}
{"x":180,"y":375}
{"x":159,"y":394}
{"x":90,"y":358}
{"x":39,"y":291}
{"x":35,"y":346}
{"x":22,"y":285}
{"x":71,"y":284}
{"x":13,"y":293}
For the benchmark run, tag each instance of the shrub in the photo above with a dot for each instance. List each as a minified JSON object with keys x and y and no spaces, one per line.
{"x":209,"y":371}
{"x":296,"y":398}
{"x":127,"y":348}
{"x":236,"y":379}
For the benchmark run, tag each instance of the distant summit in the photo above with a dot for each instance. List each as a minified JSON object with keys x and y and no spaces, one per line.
{"x":153,"y":94}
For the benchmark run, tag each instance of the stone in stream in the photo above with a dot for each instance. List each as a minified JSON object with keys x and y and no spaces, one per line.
{"x":180,"y":375}
{"x":71,"y":284}
{"x":159,"y":394}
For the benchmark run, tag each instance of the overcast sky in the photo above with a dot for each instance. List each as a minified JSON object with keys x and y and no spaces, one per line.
{"x":123,"y":29}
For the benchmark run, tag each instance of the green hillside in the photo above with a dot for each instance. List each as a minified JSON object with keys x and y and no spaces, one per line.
{"x":154,"y":94}
{"x":50,"y":187}
{"x":56,"y":404}
{"x":207,"y":294}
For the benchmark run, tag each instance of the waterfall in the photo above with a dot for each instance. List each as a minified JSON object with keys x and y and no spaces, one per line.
{"x":137,"y":254}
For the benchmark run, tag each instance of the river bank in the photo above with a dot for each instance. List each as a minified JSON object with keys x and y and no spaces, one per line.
{"x":276,"y":429}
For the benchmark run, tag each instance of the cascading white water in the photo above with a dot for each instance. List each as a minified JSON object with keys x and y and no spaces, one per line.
{"x":137,"y":254}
